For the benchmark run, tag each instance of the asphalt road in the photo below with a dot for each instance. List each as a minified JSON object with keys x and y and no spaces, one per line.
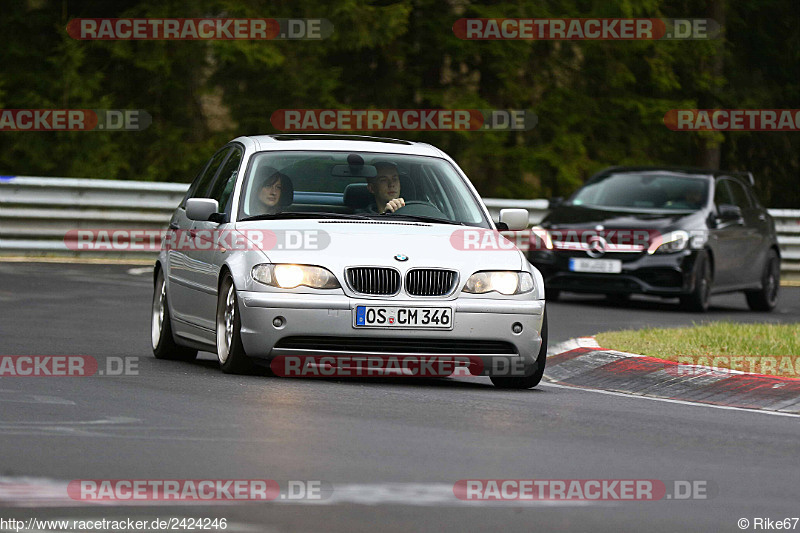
{"x":390,"y":449}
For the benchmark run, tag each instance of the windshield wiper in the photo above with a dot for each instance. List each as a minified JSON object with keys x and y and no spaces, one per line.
{"x":422,"y":218}
{"x":308,"y":214}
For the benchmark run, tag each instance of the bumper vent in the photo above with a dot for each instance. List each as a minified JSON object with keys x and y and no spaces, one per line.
{"x":430,"y":282}
{"x":374,"y":280}
{"x":422,"y":346}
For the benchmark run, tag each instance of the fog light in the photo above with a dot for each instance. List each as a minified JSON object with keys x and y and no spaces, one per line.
{"x":516,"y":328}
{"x":278,"y":321}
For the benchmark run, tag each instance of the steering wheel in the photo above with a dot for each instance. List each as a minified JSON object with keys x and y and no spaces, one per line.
{"x":420,"y":208}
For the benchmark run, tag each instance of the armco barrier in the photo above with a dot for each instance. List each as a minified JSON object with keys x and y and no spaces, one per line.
{"x":36,"y":213}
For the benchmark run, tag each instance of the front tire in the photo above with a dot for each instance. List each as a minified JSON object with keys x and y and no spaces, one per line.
{"x":527,"y":381}
{"x":766,"y":297}
{"x":230,"y":352}
{"x":161,"y":339}
{"x":698,"y":299}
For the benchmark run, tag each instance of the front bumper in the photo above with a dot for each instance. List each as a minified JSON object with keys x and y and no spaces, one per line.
{"x":479,"y":325}
{"x":657,"y":274}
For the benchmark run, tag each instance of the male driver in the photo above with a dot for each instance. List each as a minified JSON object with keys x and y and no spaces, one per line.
{"x":385,"y":186}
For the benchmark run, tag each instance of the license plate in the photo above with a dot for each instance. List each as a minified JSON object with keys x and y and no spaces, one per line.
{"x":601,"y":266}
{"x":372,"y":316}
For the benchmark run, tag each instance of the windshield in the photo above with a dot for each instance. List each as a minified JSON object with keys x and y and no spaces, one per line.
{"x":643,"y":191}
{"x":357,"y":184}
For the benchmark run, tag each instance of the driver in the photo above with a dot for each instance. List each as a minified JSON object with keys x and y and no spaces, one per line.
{"x":385,"y":186}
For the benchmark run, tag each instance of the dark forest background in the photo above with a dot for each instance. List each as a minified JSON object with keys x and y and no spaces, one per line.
{"x":599,"y":103}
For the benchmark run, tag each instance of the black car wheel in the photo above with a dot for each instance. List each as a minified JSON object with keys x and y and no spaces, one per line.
{"x":766,"y":298}
{"x":529,"y":380}
{"x":697,"y":300}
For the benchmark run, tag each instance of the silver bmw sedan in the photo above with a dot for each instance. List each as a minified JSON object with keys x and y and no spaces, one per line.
{"x":321,"y":254}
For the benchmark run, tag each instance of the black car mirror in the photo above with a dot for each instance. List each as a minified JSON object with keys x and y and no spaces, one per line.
{"x":729,"y":212}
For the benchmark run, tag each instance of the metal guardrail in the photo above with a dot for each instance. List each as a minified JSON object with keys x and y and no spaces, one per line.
{"x":36,"y":213}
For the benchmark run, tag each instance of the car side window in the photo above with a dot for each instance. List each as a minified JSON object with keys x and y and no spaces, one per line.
{"x":222,"y":189}
{"x":722,"y":194}
{"x":739,"y":195}
{"x":199,"y":189}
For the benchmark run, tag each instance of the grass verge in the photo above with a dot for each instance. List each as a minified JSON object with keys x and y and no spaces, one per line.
{"x":770,"y":349}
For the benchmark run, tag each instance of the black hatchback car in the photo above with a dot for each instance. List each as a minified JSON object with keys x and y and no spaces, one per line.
{"x":671,"y":232}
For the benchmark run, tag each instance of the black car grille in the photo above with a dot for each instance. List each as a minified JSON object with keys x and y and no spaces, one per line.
{"x":420,"y":346}
{"x":430,"y":282}
{"x":374,"y":280}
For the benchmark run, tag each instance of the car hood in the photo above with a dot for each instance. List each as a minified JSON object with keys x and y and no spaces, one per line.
{"x":337,"y":244}
{"x":575,"y":217}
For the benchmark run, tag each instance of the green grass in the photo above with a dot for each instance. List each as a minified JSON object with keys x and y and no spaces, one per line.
{"x":772,"y":349}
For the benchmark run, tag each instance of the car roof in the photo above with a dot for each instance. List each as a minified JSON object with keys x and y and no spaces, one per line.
{"x":343,"y":143}
{"x":747,"y":177}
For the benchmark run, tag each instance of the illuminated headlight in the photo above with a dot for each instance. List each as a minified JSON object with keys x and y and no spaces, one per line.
{"x":290,"y":276}
{"x":676,"y":241}
{"x":503,"y":282}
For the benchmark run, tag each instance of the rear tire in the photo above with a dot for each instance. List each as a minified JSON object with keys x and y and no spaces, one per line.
{"x":230,"y":352}
{"x":527,"y":381}
{"x":698,"y":299}
{"x":766,"y":297}
{"x":161,"y":339}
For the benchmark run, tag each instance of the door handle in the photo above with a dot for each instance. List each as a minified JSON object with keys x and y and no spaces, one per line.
{"x":174,"y":225}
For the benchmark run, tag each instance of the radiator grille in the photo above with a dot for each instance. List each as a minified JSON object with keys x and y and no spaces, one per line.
{"x":430,"y":282}
{"x":374,"y":280}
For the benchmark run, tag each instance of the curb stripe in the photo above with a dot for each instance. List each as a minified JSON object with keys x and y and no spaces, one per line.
{"x":598,"y":368}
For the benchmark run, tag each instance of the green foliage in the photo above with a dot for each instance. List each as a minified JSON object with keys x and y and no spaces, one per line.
{"x":599,"y":103}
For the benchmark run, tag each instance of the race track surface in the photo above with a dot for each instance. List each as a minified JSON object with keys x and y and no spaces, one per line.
{"x":390,"y":449}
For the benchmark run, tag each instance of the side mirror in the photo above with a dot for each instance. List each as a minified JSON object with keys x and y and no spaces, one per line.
{"x":201,"y":208}
{"x":514,"y":219}
{"x":728,"y":212}
{"x":555,"y":201}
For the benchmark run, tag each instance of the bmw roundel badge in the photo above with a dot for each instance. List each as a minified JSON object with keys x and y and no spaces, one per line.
{"x":401,"y":257}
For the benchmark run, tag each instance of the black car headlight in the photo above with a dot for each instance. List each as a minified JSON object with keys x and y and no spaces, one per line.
{"x":502,"y":281}
{"x":677,"y":241}
{"x":287,"y":276}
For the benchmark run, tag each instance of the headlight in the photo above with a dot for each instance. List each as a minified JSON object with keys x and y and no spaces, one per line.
{"x":669,"y":243}
{"x":504,"y":282}
{"x":676,"y":241}
{"x":290,"y":276}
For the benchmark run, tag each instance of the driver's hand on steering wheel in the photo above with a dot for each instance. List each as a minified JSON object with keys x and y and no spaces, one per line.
{"x":394,"y":205}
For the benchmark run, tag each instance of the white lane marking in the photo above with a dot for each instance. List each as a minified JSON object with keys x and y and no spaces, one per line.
{"x":139,"y":271}
{"x":102,"y":421}
{"x":40,"y":492}
{"x":420,"y":495}
{"x":36,"y":398}
{"x":668,"y":400}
